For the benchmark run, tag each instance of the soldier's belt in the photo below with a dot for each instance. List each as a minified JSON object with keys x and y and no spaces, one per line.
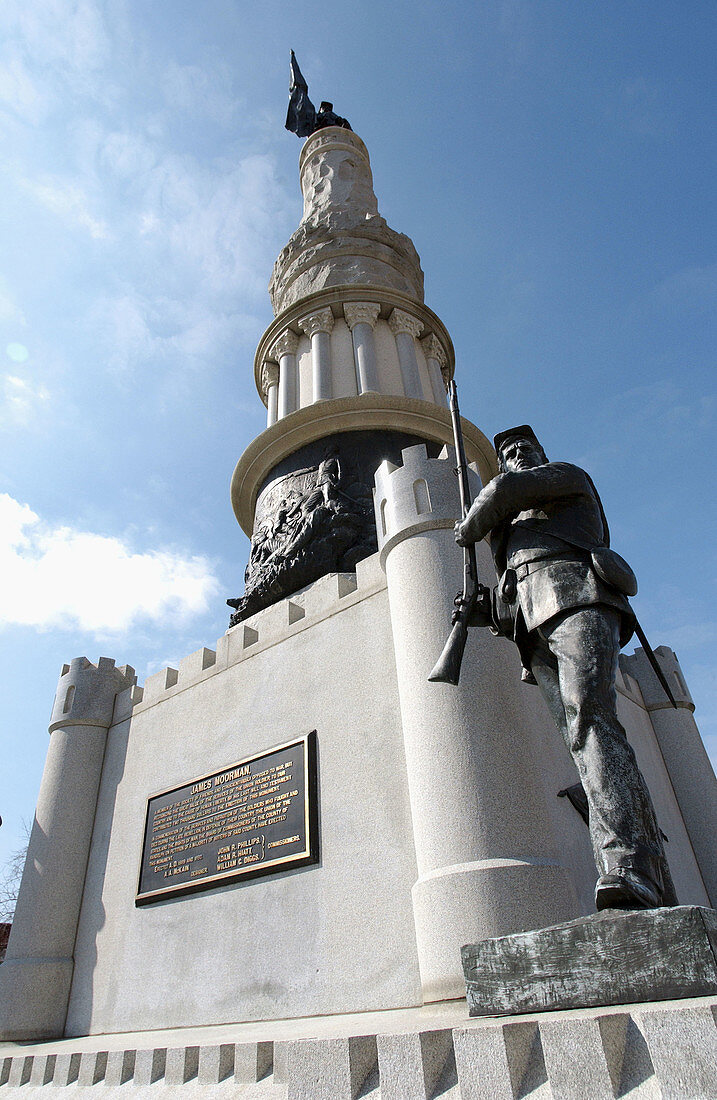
{"x":528,"y":567}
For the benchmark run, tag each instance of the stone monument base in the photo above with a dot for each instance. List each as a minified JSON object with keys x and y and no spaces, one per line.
{"x":609,"y":958}
{"x":641,"y":1051}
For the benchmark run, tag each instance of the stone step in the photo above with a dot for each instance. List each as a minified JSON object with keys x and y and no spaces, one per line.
{"x":649,"y":1052}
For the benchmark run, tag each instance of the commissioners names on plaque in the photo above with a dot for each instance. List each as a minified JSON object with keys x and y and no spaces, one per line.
{"x":257,"y":816}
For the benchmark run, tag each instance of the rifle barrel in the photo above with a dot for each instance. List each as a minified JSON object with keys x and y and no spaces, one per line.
{"x":462,"y":468}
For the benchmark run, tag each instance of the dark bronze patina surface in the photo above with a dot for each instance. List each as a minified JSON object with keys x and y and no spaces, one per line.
{"x":314,"y":515}
{"x":302,"y":118}
{"x":562,"y":597}
{"x":253,"y":818}
{"x":609,"y":958}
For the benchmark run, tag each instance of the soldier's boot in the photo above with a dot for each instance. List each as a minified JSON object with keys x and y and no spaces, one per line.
{"x":633,"y":883}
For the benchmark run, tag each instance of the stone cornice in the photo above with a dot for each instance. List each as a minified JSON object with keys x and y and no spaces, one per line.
{"x":367,"y":412}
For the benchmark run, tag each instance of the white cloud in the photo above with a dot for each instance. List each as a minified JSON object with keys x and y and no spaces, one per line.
{"x":60,"y":577}
{"x":187,"y":240}
{"x":130,"y":156}
{"x":10,"y":312}
{"x":68,"y":201}
{"x":191,"y":90}
{"x":136,"y":328}
{"x":64,"y":34}
{"x":52,"y":48}
{"x":213,"y":222}
{"x":22,"y":399}
{"x":20,"y":93}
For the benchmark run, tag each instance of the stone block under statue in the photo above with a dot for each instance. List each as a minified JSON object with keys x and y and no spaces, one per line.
{"x":609,"y":958}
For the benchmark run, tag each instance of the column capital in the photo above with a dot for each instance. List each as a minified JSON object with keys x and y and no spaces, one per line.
{"x":357,"y":313}
{"x":433,"y":349}
{"x":321,"y":321}
{"x":400,"y":321}
{"x":269,"y":375}
{"x":286,"y":344}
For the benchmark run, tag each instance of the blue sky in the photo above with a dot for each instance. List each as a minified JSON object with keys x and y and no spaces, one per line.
{"x":554,"y":165}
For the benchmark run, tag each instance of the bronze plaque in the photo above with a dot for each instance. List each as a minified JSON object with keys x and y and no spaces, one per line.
{"x":256,"y":817}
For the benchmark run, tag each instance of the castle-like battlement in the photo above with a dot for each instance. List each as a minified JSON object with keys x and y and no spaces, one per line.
{"x":638,"y":666}
{"x":422,"y":494}
{"x":86,"y":693}
{"x":302,"y":610}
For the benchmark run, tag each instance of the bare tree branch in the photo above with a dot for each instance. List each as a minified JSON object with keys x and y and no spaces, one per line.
{"x":10,"y":876}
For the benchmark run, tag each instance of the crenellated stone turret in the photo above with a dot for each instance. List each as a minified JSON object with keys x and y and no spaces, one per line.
{"x":684,"y":753}
{"x":36,"y":976}
{"x":487,"y":851}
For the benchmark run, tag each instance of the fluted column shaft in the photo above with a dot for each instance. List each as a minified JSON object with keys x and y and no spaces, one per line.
{"x":406,"y":329}
{"x":361,"y":318}
{"x":284,"y":352}
{"x":317,"y":327}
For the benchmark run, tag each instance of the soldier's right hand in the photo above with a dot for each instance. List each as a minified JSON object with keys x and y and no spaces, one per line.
{"x":460,"y":535}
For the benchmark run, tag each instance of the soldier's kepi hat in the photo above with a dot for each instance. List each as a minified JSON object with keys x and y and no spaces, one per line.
{"x":523,"y":431}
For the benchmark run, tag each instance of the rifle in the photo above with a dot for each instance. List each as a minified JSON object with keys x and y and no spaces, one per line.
{"x":447,"y":669}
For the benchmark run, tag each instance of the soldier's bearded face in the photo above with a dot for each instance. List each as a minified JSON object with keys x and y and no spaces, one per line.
{"x":521,"y":454}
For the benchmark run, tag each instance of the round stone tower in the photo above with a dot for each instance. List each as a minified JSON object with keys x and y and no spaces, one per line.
{"x":352,"y":370}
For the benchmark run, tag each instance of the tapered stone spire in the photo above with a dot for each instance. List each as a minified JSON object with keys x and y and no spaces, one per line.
{"x":342,"y":239}
{"x":353,"y":368}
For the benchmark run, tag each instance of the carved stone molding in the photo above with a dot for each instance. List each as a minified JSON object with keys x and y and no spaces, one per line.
{"x":357,"y":313}
{"x":432,"y":349}
{"x":287,"y":344}
{"x":399,"y":321}
{"x":269,"y":375}
{"x":321,"y":321}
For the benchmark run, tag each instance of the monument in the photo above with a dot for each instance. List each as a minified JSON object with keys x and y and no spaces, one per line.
{"x":261,"y":866}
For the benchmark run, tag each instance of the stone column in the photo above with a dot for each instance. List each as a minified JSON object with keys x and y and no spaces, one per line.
{"x":361,"y":317}
{"x":317,"y":327}
{"x":684,"y":753}
{"x":36,"y":976}
{"x":476,"y":758}
{"x":437,"y":365}
{"x":284,"y":352}
{"x":406,"y":329}
{"x":270,"y":386}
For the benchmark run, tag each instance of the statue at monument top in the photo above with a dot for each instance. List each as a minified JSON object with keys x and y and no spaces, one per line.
{"x":302,"y":118}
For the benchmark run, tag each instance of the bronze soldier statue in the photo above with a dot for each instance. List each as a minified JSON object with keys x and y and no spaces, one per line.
{"x":562,"y":597}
